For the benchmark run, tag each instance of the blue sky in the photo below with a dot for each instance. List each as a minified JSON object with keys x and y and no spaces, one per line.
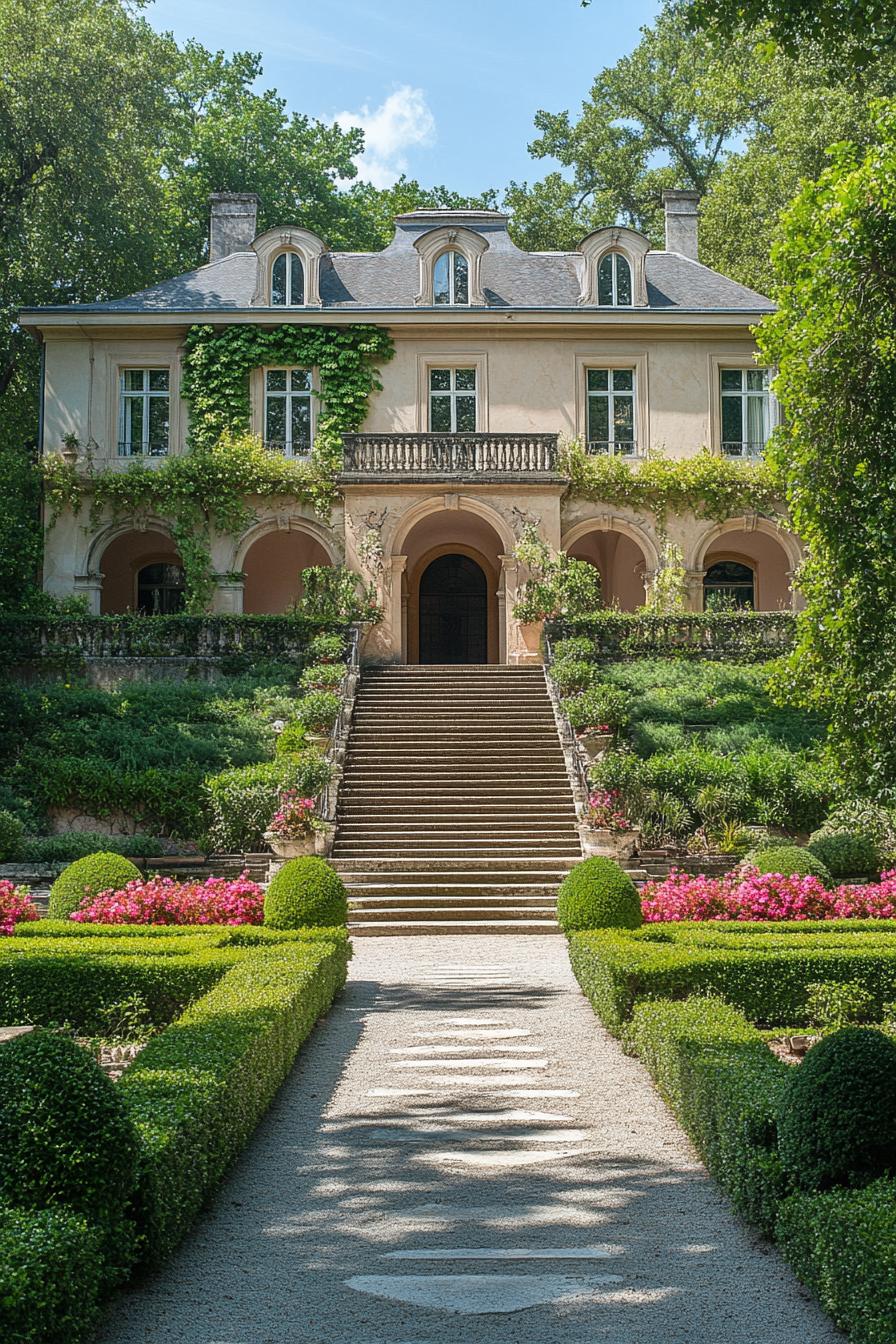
{"x":446,"y":93}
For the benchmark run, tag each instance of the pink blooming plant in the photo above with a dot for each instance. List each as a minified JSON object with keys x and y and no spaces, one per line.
{"x":294,"y":819}
{"x":16,"y":906}
{"x":161,"y":900}
{"x":605,"y":812}
{"x":750,"y":895}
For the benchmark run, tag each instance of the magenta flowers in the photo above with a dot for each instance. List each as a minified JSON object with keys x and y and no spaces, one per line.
{"x":294,"y":819}
{"x":16,"y":906}
{"x":750,"y":895}
{"x":161,"y":900}
{"x":604,"y":811}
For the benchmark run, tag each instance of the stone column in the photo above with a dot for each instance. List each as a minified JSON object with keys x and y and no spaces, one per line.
{"x":694,"y":587}
{"x":395,"y":636}
{"x":91,"y":587}
{"x":227,"y":599}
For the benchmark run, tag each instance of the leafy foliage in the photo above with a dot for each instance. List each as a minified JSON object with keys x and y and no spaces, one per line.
{"x":51,"y":1277}
{"x":597,"y":894}
{"x":88,"y":877}
{"x":305,"y":893}
{"x":241,"y":802}
{"x":789,"y":861}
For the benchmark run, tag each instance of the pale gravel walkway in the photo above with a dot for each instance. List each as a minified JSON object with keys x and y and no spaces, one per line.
{"x":637,"y":1246}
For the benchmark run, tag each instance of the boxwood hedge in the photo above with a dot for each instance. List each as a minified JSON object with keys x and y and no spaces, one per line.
{"x":51,"y":1277}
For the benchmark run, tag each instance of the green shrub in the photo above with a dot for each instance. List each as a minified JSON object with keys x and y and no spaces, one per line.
{"x":291,"y":742}
{"x":197,"y":1091}
{"x":326,"y":649}
{"x":831,"y":1004}
{"x":598,"y":705}
{"x":305,"y":892}
{"x":242,"y":802}
{"x":69,"y":845}
{"x":842,"y":1244}
{"x":51,"y":1277}
{"x":859,"y":816}
{"x":11,"y":832}
{"x":102,"y":871}
{"x":322,"y":677}
{"x":597,"y":894}
{"x":318,"y":711}
{"x":789,"y":861}
{"x":571,"y":675}
{"x":65,"y":1134}
{"x":846,"y":853}
{"x":578,"y":647}
{"x":837,"y":1124}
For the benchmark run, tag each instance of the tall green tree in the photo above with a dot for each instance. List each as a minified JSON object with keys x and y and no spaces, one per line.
{"x":833,"y":339}
{"x":855,"y":31}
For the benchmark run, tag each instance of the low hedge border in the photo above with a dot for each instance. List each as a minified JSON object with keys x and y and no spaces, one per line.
{"x":51,"y":1277}
{"x":767,"y":980}
{"x":198,"y":1090}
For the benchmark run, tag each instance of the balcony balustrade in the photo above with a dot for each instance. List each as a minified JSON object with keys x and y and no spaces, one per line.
{"x":427,"y":457}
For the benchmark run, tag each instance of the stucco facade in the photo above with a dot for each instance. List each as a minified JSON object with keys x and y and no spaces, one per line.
{"x":676,"y":334}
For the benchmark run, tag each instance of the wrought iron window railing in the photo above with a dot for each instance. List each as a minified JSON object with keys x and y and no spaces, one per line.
{"x":736,"y":448}
{"x":289,"y":447}
{"x":612,"y":448}
{"x":128,"y":448}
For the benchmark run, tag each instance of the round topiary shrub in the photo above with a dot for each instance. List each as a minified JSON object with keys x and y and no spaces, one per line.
{"x":305,"y":893}
{"x":65,"y":1133}
{"x":837,"y":1124}
{"x":846,"y":853}
{"x":789,"y":861}
{"x":88,"y":877}
{"x":11,"y":832}
{"x":597,"y":894}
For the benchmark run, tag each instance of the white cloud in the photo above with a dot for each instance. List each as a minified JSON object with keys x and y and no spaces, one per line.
{"x":404,"y":121}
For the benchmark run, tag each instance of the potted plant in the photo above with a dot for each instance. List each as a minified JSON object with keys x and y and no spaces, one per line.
{"x":605,"y":829}
{"x":558,"y":587}
{"x":293,"y":829}
{"x":596,"y":715}
{"x":317,"y":713}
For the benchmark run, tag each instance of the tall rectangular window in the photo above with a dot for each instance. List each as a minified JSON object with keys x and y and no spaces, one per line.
{"x":611,"y":412}
{"x":452,"y":401}
{"x":143,"y":412}
{"x":287,"y":411}
{"x":747,"y":411}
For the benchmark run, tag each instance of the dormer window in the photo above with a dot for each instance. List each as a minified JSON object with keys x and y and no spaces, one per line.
{"x":451,"y":279}
{"x":614,"y":281}
{"x":288,"y":281}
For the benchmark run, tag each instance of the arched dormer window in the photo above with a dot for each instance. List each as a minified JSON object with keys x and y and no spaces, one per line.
{"x":612,"y":270}
{"x":614,"y":281}
{"x":450,"y":267}
{"x":288,"y":274}
{"x":451,"y":279}
{"x":288,"y":280}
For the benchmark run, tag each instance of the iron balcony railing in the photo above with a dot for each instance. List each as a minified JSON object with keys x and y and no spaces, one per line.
{"x":734,"y":448}
{"x":418,"y":456}
{"x":612,"y":448}
{"x":289,"y":447}
{"x":127,"y":448}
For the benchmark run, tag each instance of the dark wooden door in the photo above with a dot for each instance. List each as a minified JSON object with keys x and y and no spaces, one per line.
{"x":453,"y":611}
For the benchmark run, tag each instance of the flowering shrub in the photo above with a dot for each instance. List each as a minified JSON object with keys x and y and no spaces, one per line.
{"x":16,"y":906}
{"x":161,"y":900}
{"x":750,"y":895}
{"x":294,"y":819}
{"x":604,"y":811}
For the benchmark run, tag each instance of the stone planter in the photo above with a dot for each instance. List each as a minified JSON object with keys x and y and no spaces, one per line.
{"x":529,"y":651}
{"x":594,"y":744}
{"x":323,"y":838}
{"x":292,"y":849}
{"x":600,"y":841}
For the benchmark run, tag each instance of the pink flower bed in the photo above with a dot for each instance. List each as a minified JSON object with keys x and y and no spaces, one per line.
{"x":161,"y":900}
{"x":757,"y":896}
{"x":16,"y":906}
{"x":604,"y":810}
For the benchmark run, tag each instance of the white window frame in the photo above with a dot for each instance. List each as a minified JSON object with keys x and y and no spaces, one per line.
{"x":749,"y":451}
{"x":289,"y":302}
{"x":146,"y":395}
{"x":288,"y":449}
{"x":451,"y":395}
{"x":608,"y":355}
{"x":631,"y":445}
{"x":456,"y":359}
{"x":616,"y":256}
{"x":452,"y":254}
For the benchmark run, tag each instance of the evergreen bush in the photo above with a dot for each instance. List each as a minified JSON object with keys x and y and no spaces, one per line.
{"x":789,"y":861}
{"x":847,"y":853}
{"x":94,"y":873}
{"x":305,"y":893}
{"x":597,"y":894}
{"x":837,"y":1124}
{"x":11,"y":831}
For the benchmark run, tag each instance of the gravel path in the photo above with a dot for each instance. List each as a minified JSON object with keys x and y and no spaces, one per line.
{"x":463,"y":1156}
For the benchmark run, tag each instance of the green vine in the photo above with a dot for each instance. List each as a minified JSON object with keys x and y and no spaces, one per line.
{"x":207,"y":488}
{"x":709,"y":487}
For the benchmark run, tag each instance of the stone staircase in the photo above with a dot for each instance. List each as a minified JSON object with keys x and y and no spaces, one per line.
{"x":455,"y":812}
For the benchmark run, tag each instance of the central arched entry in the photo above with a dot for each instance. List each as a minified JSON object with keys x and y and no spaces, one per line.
{"x":453,"y":611}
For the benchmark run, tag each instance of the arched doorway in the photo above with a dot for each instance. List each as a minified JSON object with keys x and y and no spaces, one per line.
{"x":160,"y":589}
{"x":453,"y":611}
{"x":142,"y":572}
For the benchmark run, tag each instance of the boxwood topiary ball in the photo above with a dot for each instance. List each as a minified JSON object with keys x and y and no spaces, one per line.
{"x":65,"y":1133}
{"x":597,"y":894}
{"x":790,"y":861}
{"x":88,"y":877}
{"x":838,"y":1119}
{"x":305,"y":893}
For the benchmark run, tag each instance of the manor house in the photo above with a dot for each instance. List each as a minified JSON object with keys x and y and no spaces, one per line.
{"x":500,"y":357}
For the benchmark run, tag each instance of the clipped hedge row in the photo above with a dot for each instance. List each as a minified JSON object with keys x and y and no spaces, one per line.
{"x":51,"y":1277}
{"x":738,"y":636}
{"x":197,"y":1091}
{"x":766,"y":977}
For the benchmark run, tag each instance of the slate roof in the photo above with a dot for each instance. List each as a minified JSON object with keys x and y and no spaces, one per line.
{"x":377,"y":281}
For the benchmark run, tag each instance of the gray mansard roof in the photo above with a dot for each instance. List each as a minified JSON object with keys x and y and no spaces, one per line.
{"x":378,"y":281}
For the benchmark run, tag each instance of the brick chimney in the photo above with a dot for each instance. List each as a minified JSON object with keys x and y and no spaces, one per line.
{"x":232,"y":220}
{"x":682,"y":214}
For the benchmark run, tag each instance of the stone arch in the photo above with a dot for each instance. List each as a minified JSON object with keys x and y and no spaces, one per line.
{"x":271,"y":556}
{"x":449,"y":503}
{"x":290,"y":523}
{"x":770,"y":551}
{"x":623,"y":552}
{"x":117,"y":556}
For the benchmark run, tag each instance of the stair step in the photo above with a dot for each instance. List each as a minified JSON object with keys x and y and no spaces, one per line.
{"x":405,"y":928}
